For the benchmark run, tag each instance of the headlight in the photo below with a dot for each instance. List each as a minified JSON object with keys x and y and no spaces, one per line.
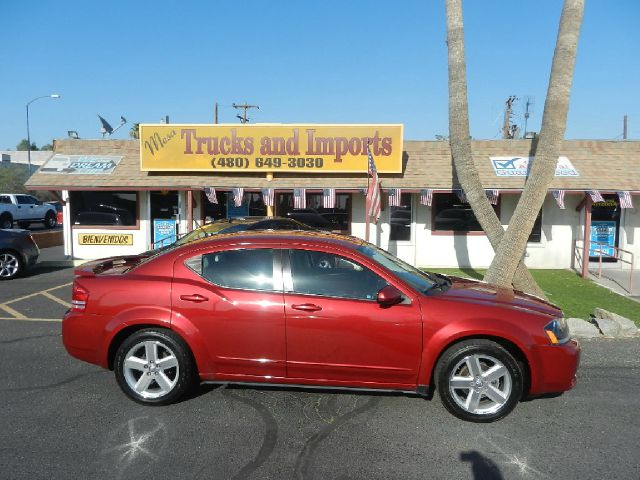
{"x":558,"y":331}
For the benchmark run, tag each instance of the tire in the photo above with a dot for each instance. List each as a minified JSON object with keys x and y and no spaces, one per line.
{"x":11,"y":265}
{"x":479,"y":381}
{"x":50,"y":220}
{"x":23,"y":225}
{"x":135,"y":362}
{"x":6,"y":222}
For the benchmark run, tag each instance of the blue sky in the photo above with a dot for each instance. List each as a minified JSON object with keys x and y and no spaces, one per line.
{"x":304,"y":62}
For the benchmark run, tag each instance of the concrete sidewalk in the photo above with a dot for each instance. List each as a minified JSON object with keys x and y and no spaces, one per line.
{"x":616,"y":279}
{"x":54,"y":257}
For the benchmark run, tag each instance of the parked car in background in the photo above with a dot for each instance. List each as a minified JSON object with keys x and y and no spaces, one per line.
{"x":25,"y":209}
{"x":98,"y":219}
{"x":59,"y":215}
{"x":313,"y":309}
{"x":18,"y":252}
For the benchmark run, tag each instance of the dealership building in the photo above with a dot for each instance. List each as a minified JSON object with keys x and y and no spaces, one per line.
{"x":126,"y":196}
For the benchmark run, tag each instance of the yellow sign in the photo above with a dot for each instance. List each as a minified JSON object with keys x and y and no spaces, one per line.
{"x":105,"y":239}
{"x":270,"y":148}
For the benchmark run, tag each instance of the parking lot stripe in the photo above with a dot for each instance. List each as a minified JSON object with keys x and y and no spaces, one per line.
{"x":25,"y":319}
{"x":56,"y":299}
{"x":37,"y":293}
{"x":16,"y":315}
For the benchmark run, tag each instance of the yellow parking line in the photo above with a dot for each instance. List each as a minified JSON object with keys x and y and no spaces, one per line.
{"x":25,"y":319}
{"x":41,"y":292}
{"x":56,"y":299}
{"x":16,"y":315}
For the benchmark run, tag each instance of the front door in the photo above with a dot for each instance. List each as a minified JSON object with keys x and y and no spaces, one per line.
{"x":234,"y":299}
{"x":336,"y":330}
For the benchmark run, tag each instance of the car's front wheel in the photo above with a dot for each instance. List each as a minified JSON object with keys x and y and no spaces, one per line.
{"x":10,"y":265}
{"x":154,"y":367}
{"x":50,"y":220}
{"x":479,"y":380}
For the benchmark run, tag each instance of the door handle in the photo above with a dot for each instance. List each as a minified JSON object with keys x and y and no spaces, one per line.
{"x":307,"y":307}
{"x":194,"y":298}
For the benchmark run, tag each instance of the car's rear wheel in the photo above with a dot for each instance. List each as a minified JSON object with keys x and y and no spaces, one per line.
{"x":154,"y":367}
{"x":479,"y":380}
{"x":6,"y":222}
{"x":11,"y":265}
{"x":50,"y":220}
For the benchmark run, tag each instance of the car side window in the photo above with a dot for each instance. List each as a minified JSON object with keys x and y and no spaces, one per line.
{"x":24,"y":199}
{"x":247,"y":269}
{"x":329,"y":275}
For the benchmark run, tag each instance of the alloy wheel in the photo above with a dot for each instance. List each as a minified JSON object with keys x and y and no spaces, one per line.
{"x":9,"y":265}
{"x":151,"y":369}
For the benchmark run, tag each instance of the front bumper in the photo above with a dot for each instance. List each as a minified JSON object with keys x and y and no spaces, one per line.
{"x":555,"y":367}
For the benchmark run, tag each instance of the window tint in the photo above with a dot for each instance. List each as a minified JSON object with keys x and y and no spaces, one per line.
{"x":536,"y":232}
{"x":450,"y":214}
{"x":319,"y":273}
{"x":401,"y":219}
{"x":25,"y":200}
{"x":5,"y":199}
{"x":111,"y":207}
{"x":246,"y":269}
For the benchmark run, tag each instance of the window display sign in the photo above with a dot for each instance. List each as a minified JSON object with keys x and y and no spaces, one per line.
{"x":270,"y":148}
{"x":164,"y":232}
{"x":603,"y":232}
{"x":105,"y":239}
{"x":235,"y":212}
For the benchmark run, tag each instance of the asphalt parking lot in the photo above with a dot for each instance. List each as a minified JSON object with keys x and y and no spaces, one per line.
{"x":62,"y":418}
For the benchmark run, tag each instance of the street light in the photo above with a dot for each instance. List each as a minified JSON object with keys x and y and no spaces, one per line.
{"x":53,"y":95}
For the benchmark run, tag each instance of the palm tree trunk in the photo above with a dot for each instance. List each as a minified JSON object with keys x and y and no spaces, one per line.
{"x":459,"y":139}
{"x":554,"y":123}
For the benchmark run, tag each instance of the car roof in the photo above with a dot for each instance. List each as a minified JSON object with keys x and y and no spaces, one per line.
{"x":280,"y":236}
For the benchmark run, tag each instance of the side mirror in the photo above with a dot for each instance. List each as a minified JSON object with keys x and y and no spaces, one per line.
{"x":389,"y":296}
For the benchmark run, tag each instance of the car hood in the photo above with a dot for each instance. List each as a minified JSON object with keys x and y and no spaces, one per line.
{"x":474,"y":291}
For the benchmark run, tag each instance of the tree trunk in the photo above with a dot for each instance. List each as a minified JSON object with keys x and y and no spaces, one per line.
{"x":459,"y":139}
{"x":554,"y":123}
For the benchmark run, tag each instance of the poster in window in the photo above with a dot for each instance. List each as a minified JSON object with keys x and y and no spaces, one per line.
{"x":164,"y":232}
{"x":603,"y":238}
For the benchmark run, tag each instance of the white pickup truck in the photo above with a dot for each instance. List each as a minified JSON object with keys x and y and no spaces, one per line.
{"x":25,"y":209}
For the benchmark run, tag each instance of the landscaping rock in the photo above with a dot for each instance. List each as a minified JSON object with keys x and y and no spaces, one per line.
{"x":626,"y":327}
{"x":582,"y":329}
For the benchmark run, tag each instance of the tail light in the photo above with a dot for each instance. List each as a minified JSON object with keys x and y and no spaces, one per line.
{"x":79,"y":297}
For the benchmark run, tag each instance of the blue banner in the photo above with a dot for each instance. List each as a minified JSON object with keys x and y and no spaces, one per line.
{"x":164,"y":232}
{"x":603,"y":231}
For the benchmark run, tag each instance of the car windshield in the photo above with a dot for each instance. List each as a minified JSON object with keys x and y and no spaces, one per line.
{"x":418,"y":279}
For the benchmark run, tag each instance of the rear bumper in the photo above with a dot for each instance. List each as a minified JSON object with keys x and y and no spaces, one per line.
{"x":81,"y":336}
{"x":556,"y":367}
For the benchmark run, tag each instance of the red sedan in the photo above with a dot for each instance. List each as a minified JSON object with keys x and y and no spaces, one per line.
{"x":300,"y":308}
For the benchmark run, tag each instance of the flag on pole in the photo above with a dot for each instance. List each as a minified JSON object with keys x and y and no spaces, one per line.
{"x":493,"y":195}
{"x":595,"y":196}
{"x":373,"y":192}
{"x":426,"y":196}
{"x":238,"y":194}
{"x":625,"y":200}
{"x":461,"y":196}
{"x":267,"y":196}
{"x":299,"y":198}
{"x":394,"y":197}
{"x":329,"y":197}
{"x":210,"y":193}
{"x":559,"y":196}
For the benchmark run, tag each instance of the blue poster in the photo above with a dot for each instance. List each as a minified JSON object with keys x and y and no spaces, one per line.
{"x":233,"y":211}
{"x":164,"y":232}
{"x":603,"y":232}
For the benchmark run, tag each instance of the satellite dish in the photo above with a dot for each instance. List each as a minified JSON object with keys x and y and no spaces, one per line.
{"x":107,"y":129}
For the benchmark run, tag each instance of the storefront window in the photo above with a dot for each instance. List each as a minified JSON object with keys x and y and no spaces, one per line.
{"x":450,"y":214}
{"x":400,"y":219}
{"x":252,"y":205}
{"x":104,"y":208}
{"x":605,"y":229}
{"x":536,"y":232}
{"x":315,"y":215}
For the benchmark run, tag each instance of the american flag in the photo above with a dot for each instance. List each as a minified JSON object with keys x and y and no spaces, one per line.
{"x":595,"y":195}
{"x":559,"y":196}
{"x":299,"y":198}
{"x":210,"y":193}
{"x":493,"y":195}
{"x":238,"y":193}
{"x":461,"y":196}
{"x":394,"y":197}
{"x":625,"y":200}
{"x":329,"y":197}
{"x":267,"y":196}
{"x":373,"y":192}
{"x":426,"y":196}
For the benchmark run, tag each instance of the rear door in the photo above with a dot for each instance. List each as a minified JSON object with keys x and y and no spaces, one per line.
{"x":234,"y":299}
{"x":27,"y":207}
{"x":336,"y":330}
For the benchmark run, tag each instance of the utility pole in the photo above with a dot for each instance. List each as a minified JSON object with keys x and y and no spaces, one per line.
{"x":624,"y":128}
{"x":245,"y":107}
{"x":215,"y":115}
{"x":508,"y":131}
